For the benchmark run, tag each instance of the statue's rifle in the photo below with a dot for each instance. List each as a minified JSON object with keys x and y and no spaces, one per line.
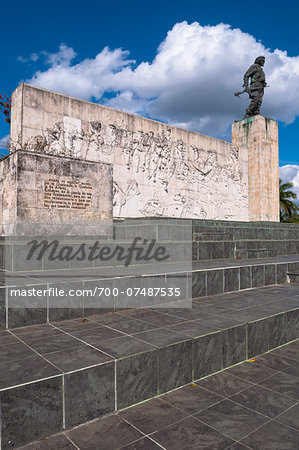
{"x":237,"y":94}
{"x":247,"y":89}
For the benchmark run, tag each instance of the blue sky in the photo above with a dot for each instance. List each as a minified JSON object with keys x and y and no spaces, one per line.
{"x":152,"y":65}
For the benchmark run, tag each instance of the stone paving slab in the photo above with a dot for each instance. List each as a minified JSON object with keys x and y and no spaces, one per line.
{"x":71,"y":372}
{"x":221,"y":411}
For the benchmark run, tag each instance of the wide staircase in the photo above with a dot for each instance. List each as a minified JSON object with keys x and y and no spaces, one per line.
{"x":63,"y":365}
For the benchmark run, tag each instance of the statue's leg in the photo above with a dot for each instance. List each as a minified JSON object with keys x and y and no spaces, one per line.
{"x":259,"y":102}
{"x":251,"y":110}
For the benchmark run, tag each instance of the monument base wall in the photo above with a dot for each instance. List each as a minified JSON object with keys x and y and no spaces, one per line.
{"x":42,"y":194}
{"x":158,"y":170}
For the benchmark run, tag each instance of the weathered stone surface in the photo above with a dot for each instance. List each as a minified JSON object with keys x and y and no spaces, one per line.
{"x":260,"y":136}
{"x":158,"y":169}
{"x":48,"y":190}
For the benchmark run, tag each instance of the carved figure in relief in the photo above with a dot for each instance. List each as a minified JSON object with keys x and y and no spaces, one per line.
{"x":170,"y":165}
{"x":121,"y":195}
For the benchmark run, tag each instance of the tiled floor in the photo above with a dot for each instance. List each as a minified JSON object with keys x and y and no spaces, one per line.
{"x":254,"y":405}
{"x":63,"y":346}
{"x":59,"y":375}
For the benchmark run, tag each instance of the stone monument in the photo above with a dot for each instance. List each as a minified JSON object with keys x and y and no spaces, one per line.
{"x":156,"y":170}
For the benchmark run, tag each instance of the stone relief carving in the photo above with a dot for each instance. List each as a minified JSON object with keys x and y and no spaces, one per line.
{"x":184,"y":180}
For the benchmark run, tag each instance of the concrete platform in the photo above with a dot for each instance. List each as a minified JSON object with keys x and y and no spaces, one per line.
{"x":58,"y":375}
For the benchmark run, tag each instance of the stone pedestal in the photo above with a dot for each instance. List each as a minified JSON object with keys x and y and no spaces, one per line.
{"x":260,"y":135}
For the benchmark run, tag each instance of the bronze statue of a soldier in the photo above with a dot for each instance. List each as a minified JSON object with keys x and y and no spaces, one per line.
{"x":257,"y":78}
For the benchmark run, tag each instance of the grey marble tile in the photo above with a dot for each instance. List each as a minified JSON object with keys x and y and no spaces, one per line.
{"x":237,"y":446}
{"x":231,"y":279}
{"x":207,"y":355}
{"x":219,"y":321}
{"x":54,"y":343}
{"x":131,"y":326}
{"x":27,"y":370}
{"x":258,"y":275}
{"x":233,"y":345}
{"x":290,"y":351}
{"x":142,"y":444}
{"x":160,"y":320}
{"x":123,"y":346}
{"x":21,"y":317}
{"x":270,"y":277}
{"x":88,"y":394}
{"x":136,"y":378}
{"x":112,"y":317}
{"x":76,"y":325}
{"x":58,"y":314}
{"x":276,"y":362}
{"x":273,"y":436}
{"x":277,"y":330}
{"x":253,"y":371}
{"x":191,"y":399}
{"x":99,"y":304}
{"x":290,"y":417}
{"x":217,"y":250}
{"x":15,"y":352}
{"x":228,"y":250}
{"x":258,"y":337}
{"x":152,"y":415}
{"x":245,"y":277}
{"x":97,"y":335}
{"x":292,"y":324}
{"x":31,"y":412}
{"x":174,"y":366}
{"x":109,"y":432}
{"x":234,"y":420}
{"x":284,"y":384}
{"x":7,"y":338}
{"x":187,"y":313}
{"x":28,"y":334}
{"x":123,"y":300}
{"x":188,"y":434}
{"x":292,"y":370}
{"x":204,"y":250}
{"x":77,"y":358}
{"x":264,"y":401}
{"x":192,"y":329}
{"x":215,"y":282}
{"x":60,"y":442}
{"x":224,"y":384}
{"x":281,"y":273}
{"x":199,"y":288}
{"x":161,"y":337}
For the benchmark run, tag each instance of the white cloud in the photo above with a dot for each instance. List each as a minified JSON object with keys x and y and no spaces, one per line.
{"x":290,"y":174}
{"x":64,"y":56}
{"x":5,"y":141}
{"x":33,"y":57}
{"x":190,"y":82}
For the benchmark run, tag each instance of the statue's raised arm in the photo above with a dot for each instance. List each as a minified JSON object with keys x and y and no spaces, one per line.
{"x":255,"y":75}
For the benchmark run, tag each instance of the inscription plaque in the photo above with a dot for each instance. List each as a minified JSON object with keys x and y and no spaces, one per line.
{"x":67,"y":194}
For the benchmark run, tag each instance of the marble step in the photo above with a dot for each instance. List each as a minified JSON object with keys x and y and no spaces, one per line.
{"x":58,"y":375}
{"x":202,"y":279}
